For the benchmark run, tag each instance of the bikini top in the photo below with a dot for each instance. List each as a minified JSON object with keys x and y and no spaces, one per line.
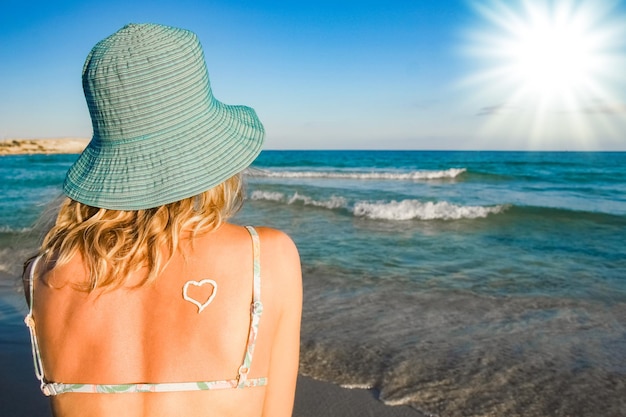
{"x":240,"y":381}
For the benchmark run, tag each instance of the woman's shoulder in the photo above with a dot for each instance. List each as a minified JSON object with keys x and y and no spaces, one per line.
{"x":276,"y":241}
{"x":275,"y":244}
{"x":280,"y":260}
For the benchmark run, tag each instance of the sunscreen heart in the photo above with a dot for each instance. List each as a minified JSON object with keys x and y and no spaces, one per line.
{"x":198,"y":302}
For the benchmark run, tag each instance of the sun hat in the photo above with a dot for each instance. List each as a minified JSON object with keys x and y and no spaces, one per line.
{"x":159,"y":135}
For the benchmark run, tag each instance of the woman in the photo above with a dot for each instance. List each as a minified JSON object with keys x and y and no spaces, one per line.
{"x":143,"y":300}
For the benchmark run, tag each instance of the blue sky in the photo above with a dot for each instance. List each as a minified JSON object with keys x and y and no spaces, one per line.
{"x":338,"y":74}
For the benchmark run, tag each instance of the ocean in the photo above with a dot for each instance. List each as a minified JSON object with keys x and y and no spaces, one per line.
{"x":460,"y":283}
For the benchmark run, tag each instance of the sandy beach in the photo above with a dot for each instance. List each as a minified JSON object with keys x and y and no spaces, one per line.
{"x":20,"y":395}
{"x":42,"y":146}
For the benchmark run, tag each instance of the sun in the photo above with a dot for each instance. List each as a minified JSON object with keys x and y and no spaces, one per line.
{"x":555,"y":52}
{"x":552,"y":58}
{"x":544,"y":59}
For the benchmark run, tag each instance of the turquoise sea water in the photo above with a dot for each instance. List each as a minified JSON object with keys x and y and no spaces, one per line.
{"x":462,"y":283}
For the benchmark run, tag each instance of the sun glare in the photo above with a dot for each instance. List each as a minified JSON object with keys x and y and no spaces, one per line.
{"x":550,"y":58}
{"x":555,"y":54}
{"x":546,"y":58}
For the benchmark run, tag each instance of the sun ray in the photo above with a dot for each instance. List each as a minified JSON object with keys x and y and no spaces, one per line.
{"x":550,"y":63}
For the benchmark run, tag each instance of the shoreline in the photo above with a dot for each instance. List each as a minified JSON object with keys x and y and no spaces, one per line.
{"x":42,"y":146}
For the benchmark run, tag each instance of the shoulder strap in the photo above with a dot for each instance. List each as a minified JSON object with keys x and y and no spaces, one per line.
{"x":256,"y":257}
{"x":256,"y":307}
{"x":30,"y":322}
{"x":31,"y":278}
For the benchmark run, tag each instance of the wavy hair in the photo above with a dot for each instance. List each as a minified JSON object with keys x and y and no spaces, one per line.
{"x":115,"y":243}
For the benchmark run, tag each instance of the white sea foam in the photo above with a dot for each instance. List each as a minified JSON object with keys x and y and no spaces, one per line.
{"x":386,"y":210}
{"x":333,"y":202}
{"x":267,"y":195}
{"x":11,"y":260}
{"x":357,"y":386}
{"x":372,"y":175}
{"x":9,"y":229}
{"x":414,"y":209}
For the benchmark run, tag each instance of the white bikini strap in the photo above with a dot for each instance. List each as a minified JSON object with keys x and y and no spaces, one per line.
{"x":256,"y":308}
{"x":30,"y":322}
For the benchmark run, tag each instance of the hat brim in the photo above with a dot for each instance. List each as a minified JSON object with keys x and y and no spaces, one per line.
{"x":122,"y":176}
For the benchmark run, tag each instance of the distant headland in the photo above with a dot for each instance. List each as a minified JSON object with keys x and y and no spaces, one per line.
{"x":42,"y":146}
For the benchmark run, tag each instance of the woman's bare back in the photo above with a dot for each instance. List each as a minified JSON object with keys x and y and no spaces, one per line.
{"x":152,"y":334}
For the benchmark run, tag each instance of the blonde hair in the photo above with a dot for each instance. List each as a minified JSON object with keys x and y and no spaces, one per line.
{"x":115,"y":243}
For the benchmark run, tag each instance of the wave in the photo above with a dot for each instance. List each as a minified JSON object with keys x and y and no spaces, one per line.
{"x":332,"y":203}
{"x":417,"y":210}
{"x":14,"y":230}
{"x":568,"y":214}
{"x":362,"y":175}
{"x":385,"y":210}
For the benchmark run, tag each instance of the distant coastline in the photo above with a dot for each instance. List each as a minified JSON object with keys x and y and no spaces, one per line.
{"x":42,"y":146}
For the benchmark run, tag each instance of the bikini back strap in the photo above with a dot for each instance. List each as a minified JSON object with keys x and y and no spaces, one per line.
{"x":256,"y":308}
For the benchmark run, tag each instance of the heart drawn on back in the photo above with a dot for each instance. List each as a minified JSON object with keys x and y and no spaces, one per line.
{"x":200,"y":293}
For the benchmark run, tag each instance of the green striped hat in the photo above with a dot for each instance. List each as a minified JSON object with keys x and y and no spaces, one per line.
{"x":159,"y":135}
